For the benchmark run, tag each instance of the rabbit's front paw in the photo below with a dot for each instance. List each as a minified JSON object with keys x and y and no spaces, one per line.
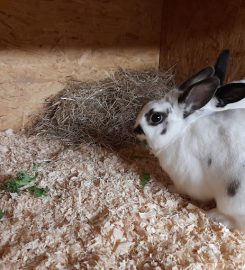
{"x":218,"y":217}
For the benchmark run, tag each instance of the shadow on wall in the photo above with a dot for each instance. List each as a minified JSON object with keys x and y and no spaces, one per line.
{"x":194,"y":34}
{"x":79,"y":23}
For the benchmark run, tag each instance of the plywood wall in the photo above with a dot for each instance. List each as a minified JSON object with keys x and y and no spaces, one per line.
{"x":42,"y":42}
{"x":194,"y":32}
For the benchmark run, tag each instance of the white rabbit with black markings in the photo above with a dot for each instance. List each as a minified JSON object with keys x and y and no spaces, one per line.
{"x":202,"y":150}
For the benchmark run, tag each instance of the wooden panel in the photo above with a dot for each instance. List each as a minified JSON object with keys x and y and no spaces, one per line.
{"x":44,"y":41}
{"x":194,"y":32}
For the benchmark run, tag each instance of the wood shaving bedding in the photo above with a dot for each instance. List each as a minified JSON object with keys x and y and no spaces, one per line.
{"x":98,"y":216}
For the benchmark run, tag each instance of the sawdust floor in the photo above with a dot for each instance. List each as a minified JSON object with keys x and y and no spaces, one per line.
{"x":98,"y":216}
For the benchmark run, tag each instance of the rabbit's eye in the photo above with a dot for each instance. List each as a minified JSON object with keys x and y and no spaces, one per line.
{"x":156,"y":118}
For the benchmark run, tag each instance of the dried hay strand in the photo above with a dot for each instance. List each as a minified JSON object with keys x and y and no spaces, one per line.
{"x":101,"y":112}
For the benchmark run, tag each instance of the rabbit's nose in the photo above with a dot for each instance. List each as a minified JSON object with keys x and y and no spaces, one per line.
{"x":138,"y":130}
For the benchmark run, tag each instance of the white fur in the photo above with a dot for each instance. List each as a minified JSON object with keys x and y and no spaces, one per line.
{"x":185,"y":149}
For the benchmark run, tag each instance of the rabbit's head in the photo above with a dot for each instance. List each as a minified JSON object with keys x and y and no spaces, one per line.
{"x":160,"y":122}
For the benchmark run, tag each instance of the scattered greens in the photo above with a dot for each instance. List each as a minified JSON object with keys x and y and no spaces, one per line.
{"x":38,"y":192}
{"x":24,"y":179}
{"x":145,"y":178}
{"x":1,"y":214}
{"x":21,"y":179}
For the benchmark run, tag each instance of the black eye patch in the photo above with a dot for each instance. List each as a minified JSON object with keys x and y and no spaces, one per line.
{"x":155,"y":118}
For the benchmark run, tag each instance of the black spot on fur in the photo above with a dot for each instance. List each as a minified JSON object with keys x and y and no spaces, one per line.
{"x":190,"y":111}
{"x":164,"y":131}
{"x":233,"y":187}
{"x":165,"y":128}
{"x":138,"y":130}
{"x":221,"y":103}
{"x":187,"y":113}
{"x":209,"y":161}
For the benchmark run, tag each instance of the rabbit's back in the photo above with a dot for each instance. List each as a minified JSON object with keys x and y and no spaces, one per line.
{"x":221,"y":137}
{"x":209,"y":156}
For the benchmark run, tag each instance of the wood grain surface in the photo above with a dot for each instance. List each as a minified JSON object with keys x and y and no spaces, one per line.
{"x":195,"y":31}
{"x":42,"y":42}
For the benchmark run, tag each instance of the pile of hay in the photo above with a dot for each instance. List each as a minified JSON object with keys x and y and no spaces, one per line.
{"x":102,"y":112}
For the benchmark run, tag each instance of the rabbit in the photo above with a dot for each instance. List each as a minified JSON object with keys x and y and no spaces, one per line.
{"x":201,"y":149}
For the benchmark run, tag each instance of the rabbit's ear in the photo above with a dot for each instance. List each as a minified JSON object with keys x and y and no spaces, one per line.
{"x":200,"y":76}
{"x":230,"y":93}
{"x":198,"y":95}
{"x":221,"y":65}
